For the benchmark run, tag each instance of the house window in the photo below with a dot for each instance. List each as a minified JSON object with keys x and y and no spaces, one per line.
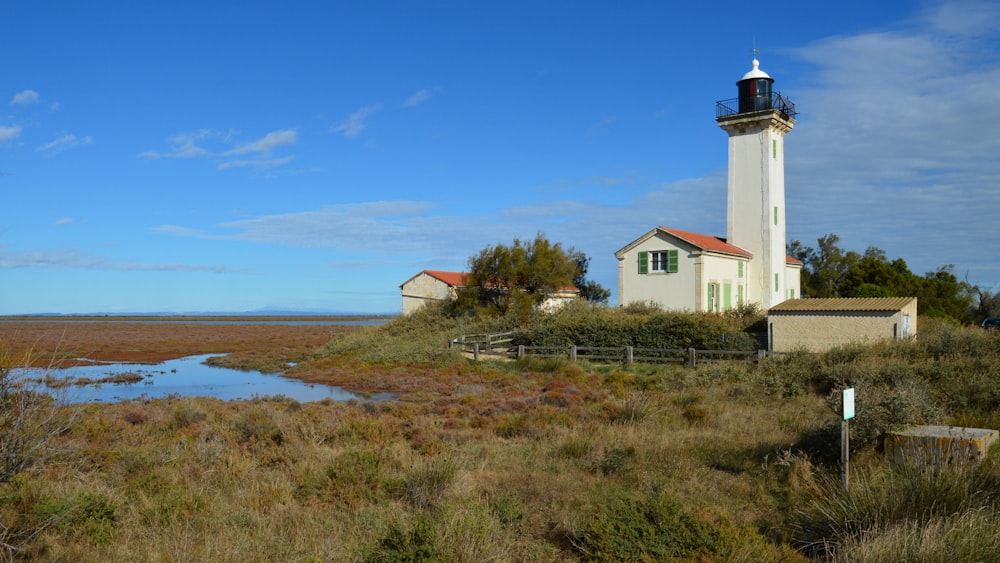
{"x":727,"y":296}
{"x":713,"y":298}
{"x":664,"y":261}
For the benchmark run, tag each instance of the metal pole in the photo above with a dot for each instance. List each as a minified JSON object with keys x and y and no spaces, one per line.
{"x":845,"y":453}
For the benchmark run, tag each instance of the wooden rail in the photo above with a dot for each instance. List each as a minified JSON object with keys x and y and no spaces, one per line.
{"x":497,"y":345}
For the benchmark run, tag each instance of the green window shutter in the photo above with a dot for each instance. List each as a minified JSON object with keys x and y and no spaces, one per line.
{"x":739,"y":269}
{"x":727,"y":296}
{"x":739,"y":295}
{"x":671,"y":261}
{"x":643,"y":262}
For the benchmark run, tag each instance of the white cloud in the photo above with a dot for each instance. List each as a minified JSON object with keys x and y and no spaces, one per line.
{"x":420,"y":97}
{"x":78,"y":260}
{"x":25,"y":97}
{"x":64,"y":143}
{"x":64,"y":221}
{"x":894,"y":147}
{"x":267,"y":143}
{"x":183,"y":145}
{"x":355,"y":123}
{"x":262,"y":163}
{"x":8,"y":133}
{"x":192,"y":145}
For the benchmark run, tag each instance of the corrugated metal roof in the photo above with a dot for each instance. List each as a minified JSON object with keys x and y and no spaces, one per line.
{"x":834,"y":304}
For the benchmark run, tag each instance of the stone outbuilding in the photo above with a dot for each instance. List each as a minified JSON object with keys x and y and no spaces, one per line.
{"x":435,"y":285}
{"x":818,"y":324}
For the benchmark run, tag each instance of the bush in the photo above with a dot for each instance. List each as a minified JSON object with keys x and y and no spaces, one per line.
{"x":653,"y":528}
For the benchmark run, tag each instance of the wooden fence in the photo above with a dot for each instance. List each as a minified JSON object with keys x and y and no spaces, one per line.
{"x":495,"y":345}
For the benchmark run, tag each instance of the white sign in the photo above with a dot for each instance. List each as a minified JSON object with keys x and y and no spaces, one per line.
{"x":849,"y":403}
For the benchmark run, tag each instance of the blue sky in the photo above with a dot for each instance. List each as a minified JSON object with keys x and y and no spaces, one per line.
{"x":233,"y":156}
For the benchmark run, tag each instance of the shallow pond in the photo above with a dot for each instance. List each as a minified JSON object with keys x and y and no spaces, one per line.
{"x":187,"y":377}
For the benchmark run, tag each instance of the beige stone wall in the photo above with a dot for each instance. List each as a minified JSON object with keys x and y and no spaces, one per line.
{"x":817,"y":332}
{"x":422,"y":289}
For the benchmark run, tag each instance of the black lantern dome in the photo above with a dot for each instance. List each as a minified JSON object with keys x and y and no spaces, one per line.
{"x":755,"y":89}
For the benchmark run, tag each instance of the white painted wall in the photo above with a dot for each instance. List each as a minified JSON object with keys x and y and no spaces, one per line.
{"x":688,"y":288}
{"x":756,"y":199}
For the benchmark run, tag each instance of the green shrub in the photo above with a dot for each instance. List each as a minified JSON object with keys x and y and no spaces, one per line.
{"x":623,"y":527}
{"x":406,"y":545}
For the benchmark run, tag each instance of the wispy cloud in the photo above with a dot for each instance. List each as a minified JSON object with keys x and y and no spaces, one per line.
{"x":63,"y":143}
{"x":9,"y":132}
{"x":266,"y":144}
{"x":64,"y":221}
{"x":603,"y":126}
{"x":260,"y":163}
{"x":192,"y":145}
{"x":78,"y":260}
{"x":420,"y":97}
{"x":356,"y":122}
{"x":25,"y":97}
{"x":913,"y":137}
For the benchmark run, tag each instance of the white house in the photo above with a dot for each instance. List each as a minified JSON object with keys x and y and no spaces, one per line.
{"x":435,"y":285}
{"x":691,"y":271}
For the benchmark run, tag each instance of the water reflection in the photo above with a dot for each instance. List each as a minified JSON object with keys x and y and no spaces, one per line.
{"x":188,"y":377}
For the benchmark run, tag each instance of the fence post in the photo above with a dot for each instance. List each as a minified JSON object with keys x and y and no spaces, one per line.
{"x":572,"y":352}
{"x":628,"y":355}
{"x":691,"y":357}
{"x":520,"y":351}
{"x":475,"y":351}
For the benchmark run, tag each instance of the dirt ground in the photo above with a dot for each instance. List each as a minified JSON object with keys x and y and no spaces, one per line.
{"x":60,"y":343}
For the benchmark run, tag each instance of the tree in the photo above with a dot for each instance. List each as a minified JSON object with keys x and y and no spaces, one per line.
{"x":829,"y":271}
{"x":520,"y":276}
{"x":824,"y":268}
{"x":589,"y":289}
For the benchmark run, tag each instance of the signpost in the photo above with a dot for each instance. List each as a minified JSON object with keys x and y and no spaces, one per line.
{"x":845,"y":435}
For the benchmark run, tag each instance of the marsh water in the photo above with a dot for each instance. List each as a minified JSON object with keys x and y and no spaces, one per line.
{"x":187,"y":377}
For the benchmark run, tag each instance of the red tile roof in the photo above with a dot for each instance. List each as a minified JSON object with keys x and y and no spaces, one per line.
{"x":707,"y":242}
{"x":718,"y":244}
{"x":454,"y":279}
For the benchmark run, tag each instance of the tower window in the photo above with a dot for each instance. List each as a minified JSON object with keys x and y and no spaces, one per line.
{"x":774,"y":148}
{"x":775,"y":215}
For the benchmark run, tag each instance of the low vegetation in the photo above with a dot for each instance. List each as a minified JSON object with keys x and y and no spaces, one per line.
{"x":530,"y":460}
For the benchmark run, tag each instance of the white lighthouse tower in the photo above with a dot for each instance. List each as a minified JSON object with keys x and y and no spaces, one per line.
{"x":757,"y":122}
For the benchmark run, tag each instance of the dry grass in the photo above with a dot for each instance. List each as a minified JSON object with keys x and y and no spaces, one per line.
{"x":509,"y":462}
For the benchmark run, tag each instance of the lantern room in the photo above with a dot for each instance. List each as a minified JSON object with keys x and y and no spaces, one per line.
{"x":755,"y":90}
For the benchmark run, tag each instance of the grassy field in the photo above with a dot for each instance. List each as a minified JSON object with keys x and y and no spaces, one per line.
{"x":536,"y":460}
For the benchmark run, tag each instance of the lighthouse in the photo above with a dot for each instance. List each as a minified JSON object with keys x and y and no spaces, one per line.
{"x":757,"y":122}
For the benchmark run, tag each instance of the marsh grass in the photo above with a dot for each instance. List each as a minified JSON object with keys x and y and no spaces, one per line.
{"x":533,"y":460}
{"x":917,"y":510}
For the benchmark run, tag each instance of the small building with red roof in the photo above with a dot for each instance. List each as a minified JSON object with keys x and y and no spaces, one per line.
{"x":435,"y":285}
